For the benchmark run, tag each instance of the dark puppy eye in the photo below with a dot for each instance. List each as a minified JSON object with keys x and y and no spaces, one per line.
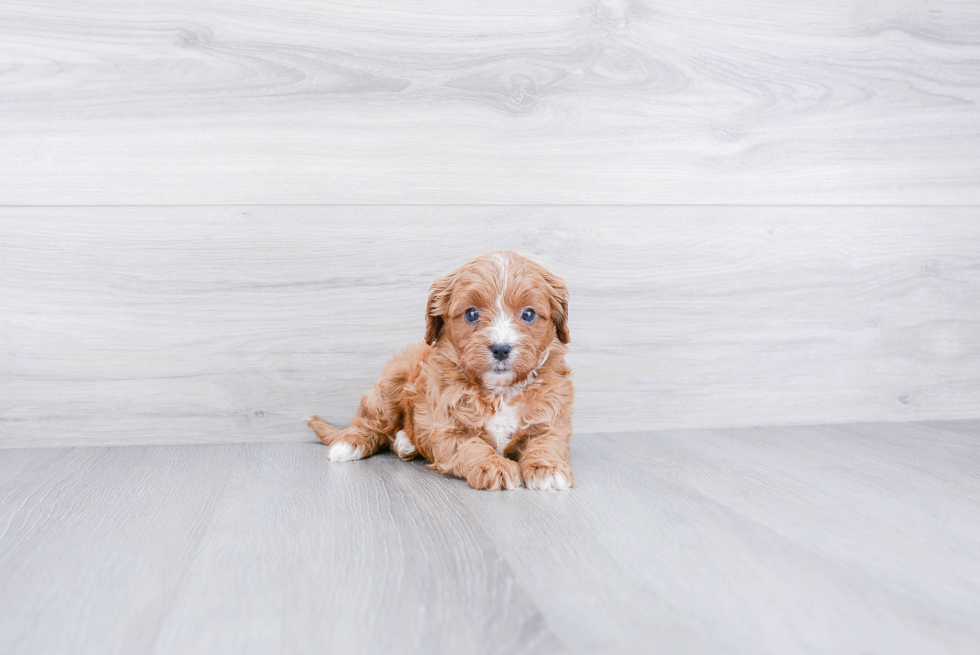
{"x":472,"y":315}
{"x":528,"y":315}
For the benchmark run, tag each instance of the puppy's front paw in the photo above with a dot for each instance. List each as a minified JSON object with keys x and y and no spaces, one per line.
{"x":544,"y":477}
{"x":495,"y":474}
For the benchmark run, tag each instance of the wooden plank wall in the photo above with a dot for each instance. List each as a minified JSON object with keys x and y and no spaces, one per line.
{"x":505,"y":102}
{"x":226,"y":324}
{"x":218,"y":218}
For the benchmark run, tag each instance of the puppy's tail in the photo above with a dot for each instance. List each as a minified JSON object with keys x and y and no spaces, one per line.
{"x":324,"y":431}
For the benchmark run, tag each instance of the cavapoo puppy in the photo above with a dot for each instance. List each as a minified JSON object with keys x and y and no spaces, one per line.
{"x":488,"y":396}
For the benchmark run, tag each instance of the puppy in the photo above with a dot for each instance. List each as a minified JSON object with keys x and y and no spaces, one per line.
{"x":488,"y":396}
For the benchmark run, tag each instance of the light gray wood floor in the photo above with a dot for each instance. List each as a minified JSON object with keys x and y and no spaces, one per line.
{"x":834,"y":539}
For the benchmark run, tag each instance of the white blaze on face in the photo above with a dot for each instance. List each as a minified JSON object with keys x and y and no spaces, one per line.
{"x":503,"y":330}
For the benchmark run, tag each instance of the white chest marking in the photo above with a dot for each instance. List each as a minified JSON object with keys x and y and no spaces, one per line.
{"x":502,"y":426}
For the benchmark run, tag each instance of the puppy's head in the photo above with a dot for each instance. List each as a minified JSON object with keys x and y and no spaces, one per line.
{"x":502,"y":313}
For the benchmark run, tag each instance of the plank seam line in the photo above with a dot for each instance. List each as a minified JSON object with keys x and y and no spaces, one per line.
{"x":649,"y":205}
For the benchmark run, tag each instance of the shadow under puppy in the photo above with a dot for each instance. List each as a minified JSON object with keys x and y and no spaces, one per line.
{"x":488,"y":396}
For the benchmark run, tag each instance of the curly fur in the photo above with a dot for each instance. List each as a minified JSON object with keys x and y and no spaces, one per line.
{"x":452,"y":399}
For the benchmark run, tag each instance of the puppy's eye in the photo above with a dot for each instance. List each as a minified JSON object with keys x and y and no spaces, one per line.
{"x":472,"y":315}
{"x":528,"y":316}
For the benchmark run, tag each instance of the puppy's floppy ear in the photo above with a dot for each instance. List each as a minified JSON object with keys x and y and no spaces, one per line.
{"x":559,"y":304}
{"x":436,"y":309}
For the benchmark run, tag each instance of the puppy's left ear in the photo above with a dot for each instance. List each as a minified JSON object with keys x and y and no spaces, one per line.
{"x":436,"y":309}
{"x":559,"y":305}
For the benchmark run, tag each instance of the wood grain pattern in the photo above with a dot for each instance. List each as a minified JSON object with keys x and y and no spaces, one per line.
{"x":96,"y":544}
{"x":691,"y":534}
{"x":186,"y":325}
{"x":844,"y":539}
{"x":461,"y":102}
{"x":347,"y":560}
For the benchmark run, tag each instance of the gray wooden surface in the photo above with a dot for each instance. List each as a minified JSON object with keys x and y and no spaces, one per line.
{"x":216,"y":219}
{"x":184,"y":325}
{"x":459,"y":101}
{"x":834,"y":539}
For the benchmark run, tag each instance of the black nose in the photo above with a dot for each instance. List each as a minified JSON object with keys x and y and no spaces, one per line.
{"x":500,"y":351}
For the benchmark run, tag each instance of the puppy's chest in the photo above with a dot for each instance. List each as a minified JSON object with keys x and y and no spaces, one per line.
{"x":503,"y":424}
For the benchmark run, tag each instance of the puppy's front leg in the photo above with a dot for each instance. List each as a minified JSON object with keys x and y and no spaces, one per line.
{"x":474,"y":460}
{"x":544,"y":461}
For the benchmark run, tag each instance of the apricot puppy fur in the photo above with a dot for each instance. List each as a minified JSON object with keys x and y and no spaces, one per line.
{"x":488,"y":396}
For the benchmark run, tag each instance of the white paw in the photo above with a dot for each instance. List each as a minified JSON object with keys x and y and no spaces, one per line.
{"x":557,"y":481}
{"x":403,"y":446}
{"x":342,"y":451}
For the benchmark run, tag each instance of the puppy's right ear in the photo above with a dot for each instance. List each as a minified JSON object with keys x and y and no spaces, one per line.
{"x":436,"y":310}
